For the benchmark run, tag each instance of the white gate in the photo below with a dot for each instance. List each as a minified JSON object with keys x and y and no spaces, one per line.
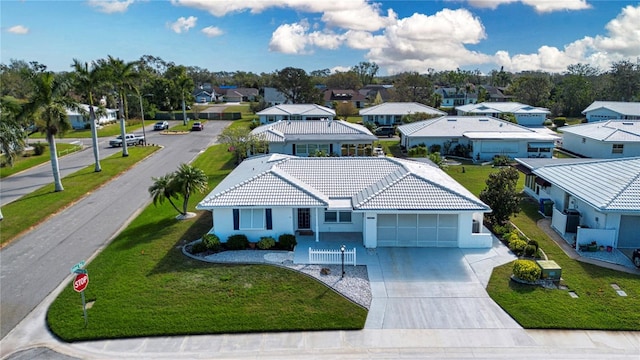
{"x":332,"y":256}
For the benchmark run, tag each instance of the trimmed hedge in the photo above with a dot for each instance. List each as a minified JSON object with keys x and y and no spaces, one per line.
{"x":237,"y":242}
{"x":211,"y":241}
{"x":526,"y":270}
{"x":287,"y":241}
{"x":266,"y":243}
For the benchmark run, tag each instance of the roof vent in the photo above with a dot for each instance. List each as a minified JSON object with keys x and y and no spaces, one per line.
{"x":487,"y":120}
{"x":627,"y":123}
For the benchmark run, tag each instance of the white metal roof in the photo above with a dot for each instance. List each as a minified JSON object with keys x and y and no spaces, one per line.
{"x":607,"y":131}
{"x":400,"y":108}
{"x":298,"y":109}
{"x":609,"y":185}
{"x":622,"y":108}
{"x":501,"y":107}
{"x":363,"y":183}
{"x":283,"y":131}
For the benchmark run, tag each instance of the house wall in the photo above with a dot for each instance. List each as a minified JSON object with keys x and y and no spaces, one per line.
{"x":354,"y":226}
{"x":597,"y":149}
{"x":382,"y":119}
{"x":264,"y":119}
{"x":530,"y":119}
{"x":601,"y":115}
{"x":282,"y":221}
{"x":468,"y":239}
{"x":370,"y":230}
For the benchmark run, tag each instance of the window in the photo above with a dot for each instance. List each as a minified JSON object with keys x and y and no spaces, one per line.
{"x":337,"y":216}
{"x":617,"y":148}
{"x":584,"y":140}
{"x":250,"y":219}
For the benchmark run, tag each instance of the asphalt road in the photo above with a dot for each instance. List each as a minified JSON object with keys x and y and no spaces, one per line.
{"x":35,"y":264}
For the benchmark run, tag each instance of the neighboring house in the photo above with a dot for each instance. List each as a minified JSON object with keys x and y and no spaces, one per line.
{"x":452,"y":97}
{"x":274,"y":97}
{"x":375,"y":92}
{"x":604,"y":139}
{"x":480,"y":137}
{"x":391,"y":113}
{"x":332,"y":96}
{"x":592,"y":199}
{"x":388,"y":201}
{"x":79,"y":120}
{"x":295,"y":112}
{"x":240,"y":95}
{"x":497,"y":93}
{"x":203,"y":96}
{"x":525,"y":115}
{"x":306,"y":138}
{"x":605,"y":110}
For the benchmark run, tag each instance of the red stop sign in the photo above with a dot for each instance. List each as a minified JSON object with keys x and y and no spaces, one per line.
{"x":80,"y":282}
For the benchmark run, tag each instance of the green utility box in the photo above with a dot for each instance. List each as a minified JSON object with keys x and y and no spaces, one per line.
{"x":550,"y":270}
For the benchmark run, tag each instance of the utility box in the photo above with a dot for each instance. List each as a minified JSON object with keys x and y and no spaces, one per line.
{"x":550,"y":269}
{"x":547,"y":207}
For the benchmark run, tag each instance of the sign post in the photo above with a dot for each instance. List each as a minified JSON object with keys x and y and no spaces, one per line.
{"x":80,"y":283}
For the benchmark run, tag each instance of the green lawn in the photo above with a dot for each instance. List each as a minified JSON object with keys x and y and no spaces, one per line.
{"x":35,"y":208}
{"x":132,"y":125}
{"x":598,"y":305}
{"x":143,"y":285}
{"x":29,"y":159}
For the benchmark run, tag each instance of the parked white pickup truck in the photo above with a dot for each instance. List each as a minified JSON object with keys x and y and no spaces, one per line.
{"x":131,"y":139}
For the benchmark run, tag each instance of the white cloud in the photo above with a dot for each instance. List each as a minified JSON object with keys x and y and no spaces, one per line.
{"x":18,"y":29}
{"x":111,"y":6}
{"x":212,"y":31}
{"x":289,"y":39}
{"x":183,"y":24}
{"x":540,"y":6}
{"x":622,"y":42}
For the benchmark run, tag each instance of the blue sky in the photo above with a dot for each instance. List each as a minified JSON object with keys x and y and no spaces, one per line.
{"x":267,"y":35}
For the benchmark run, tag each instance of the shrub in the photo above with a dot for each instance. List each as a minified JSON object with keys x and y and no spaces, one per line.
{"x":435,"y":148}
{"x":198,"y":247}
{"x":501,"y":160}
{"x":526,"y":270}
{"x":417,"y":151}
{"x":517,"y":246}
{"x":534,"y":244}
{"x":287,"y":241}
{"x":560,"y":121}
{"x":502,"y":230}
{"x":38,"y":148}
{"x":530,"y":251}
{"x":266,"y":243}
{"x":211,"y":241}
{"x":237,"y":242}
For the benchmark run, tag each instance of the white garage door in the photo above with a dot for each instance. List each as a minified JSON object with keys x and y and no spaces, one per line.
{"x":628,"y":234}
{"x":421,"y":230}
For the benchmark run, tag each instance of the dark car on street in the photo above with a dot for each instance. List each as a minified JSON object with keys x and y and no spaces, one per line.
{"x":636,"y":257}
{"x":197,"y":126}
{"x":388,"y":131}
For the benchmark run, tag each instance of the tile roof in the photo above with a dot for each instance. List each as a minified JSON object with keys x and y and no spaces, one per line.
{"x":367,"y":183}
{"x":283,"y":131}
{"x":609,"y":185}
{"x":400,"y":108}
{"x":297,"y":109}
{"x":622,"y":108}
{"x":609,"y":130}
{"x":501,"y":107}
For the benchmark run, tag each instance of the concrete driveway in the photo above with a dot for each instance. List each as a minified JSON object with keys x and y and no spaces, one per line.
{"x":435,"y":288}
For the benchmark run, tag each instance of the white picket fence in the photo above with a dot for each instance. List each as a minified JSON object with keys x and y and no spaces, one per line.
{"x":332,"y":256}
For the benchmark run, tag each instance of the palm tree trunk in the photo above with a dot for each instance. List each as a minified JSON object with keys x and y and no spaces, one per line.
{"x":94,"y":135}
{"x":185,"y":203}
{"x":125,"y":152}
{"x":54,"y":162}
{"x":184,"y":112}
{"x":175,"y":207}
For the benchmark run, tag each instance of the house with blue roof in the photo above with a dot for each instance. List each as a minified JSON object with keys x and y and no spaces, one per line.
{"x":387,"y":202}
{"x":311,"y":138}
{"x":295,"y":112}
{"x":603,"y":139}
{"x":606,"y":110}
{"x":593,"y":199}
{"x":525,"y":115}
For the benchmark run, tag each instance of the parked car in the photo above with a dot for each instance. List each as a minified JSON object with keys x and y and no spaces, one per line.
{"x":197,"y":126}
{"x":132,"y":139}
{"x":389,"y":131}
{"x":161,"y":125}
{"x":636,"y":257}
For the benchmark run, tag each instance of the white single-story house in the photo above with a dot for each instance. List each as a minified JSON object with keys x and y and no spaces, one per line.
{"x":390,"y":202}
{"x":307,"y":138}
{"x":604,"y":139}
{"x":483,"y":137}
{"x":606,"y":110}
{"x":391,"y":113}
{"x":79,"y":120}
{"x":593,"y":199}
{"x":526,"y":115}
{"x":295,"y":112}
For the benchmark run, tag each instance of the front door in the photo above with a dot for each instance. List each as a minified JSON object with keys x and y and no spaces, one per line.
{"x":304,"y":218}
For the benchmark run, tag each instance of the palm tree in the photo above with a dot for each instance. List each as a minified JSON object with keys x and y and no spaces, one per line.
{"x":12,"y":133}
{"x":189,"y":179}
{"x":87,"y":80}
{"x":162,"y":189}
{"x":48,"y":105}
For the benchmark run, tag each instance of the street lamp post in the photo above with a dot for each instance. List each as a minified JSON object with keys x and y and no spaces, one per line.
{"x":342,"y":249}
{"x":144,"y":134}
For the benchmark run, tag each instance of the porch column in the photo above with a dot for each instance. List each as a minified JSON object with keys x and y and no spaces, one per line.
{"x":317,"y":231}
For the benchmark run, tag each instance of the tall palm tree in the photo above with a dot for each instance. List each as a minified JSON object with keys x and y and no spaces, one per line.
{"x":187,"y":180}
{"x":122,"y":76}
{"x":12,"y":133}
{"x":162,"y":189}
{"x":48,"y":105}
{"x":87,"y":80}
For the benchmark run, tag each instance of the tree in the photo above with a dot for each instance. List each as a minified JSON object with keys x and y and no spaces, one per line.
{"x":412,"y":87}
{"x":187,"y":180}
{"x":345,"y":109}
{"x":366,"y":72}
{"x":162,"y":189}
{"x":625,"y":81}
{"x":181,"y":88}
{"x":501,"y":196}
{"x":532,"y":89}
{"x":12,"y":134}
{"x":343,"y":80}
{"x":86,"y":80}
{"x":576,"y":91}
{"x":242,"y":142}
{"x":48,"y":105}
{"x":296,"y":86}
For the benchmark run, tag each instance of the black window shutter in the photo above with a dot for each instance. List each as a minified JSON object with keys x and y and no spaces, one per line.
{"x":330,"y":149}
{"x":236,"y":219}
{"x":269,"y":221}
{"x":294,"y":149}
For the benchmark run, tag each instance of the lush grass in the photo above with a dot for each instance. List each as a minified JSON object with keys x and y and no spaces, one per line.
{"x":143,"y":285}
{"x":598,"y":305}
{"x":29,"y":159}
{"x":32,"y":209}
{"x":390,"y":147}
{"x":132,"y":125}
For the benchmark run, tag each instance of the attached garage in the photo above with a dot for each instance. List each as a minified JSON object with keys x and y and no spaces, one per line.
{"x":628,"y":234}
{"x":417,"y":230}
